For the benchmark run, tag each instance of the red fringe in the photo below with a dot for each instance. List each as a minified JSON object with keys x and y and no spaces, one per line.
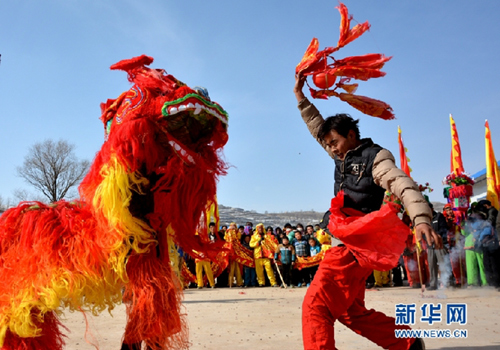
{"x":347,"y":34}
{"x":37,"y":240}
{"x":153,"y":299}
{"x":370,"y":106}
{"x":51,"y":336}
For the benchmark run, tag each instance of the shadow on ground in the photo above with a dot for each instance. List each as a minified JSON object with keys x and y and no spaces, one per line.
{"x":484,"y":347}
{"x":222,"y":300}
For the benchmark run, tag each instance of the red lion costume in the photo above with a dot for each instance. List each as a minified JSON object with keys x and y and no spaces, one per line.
{"x":149,"y":186}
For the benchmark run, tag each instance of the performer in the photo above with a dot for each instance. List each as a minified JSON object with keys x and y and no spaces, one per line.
{"x":362,"y":171}
{"x":456,"y":247}
{"x":204,"y":265}
{"x":233,"y":235}
{"x":415,"y":260}
{"x":264,"y":247}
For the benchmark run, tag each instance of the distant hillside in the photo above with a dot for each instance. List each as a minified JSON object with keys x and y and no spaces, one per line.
{"x":241,"y":216}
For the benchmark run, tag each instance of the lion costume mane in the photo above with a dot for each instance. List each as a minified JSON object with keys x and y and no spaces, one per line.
{"x":149,"y":186}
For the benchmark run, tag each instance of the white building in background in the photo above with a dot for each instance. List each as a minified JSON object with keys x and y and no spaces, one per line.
{"x":479,"y":188}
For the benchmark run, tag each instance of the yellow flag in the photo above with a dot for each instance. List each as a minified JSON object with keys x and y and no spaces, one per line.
{"x":492,"y":173}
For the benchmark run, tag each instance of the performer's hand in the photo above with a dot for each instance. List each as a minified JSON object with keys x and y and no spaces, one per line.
{"x":300,"y":79}
{"x":430,"y":236}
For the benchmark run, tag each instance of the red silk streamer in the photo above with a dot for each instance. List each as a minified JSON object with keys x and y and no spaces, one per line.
{"x":376,"y":239}
{"x":362,"y":67}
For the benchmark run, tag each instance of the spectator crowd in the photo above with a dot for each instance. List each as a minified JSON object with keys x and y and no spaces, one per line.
{"x":289,"y":256}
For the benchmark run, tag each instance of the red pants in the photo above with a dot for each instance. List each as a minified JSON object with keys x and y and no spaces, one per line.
{"x":411,"y":266}
{"x":457,"y":258}
{"x":337,"y":293}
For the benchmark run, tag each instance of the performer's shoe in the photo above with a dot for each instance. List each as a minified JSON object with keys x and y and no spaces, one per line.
{"x":418,"y":344}
{"x":276,"y":286}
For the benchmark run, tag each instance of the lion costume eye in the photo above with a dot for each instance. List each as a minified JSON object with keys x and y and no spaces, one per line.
{"x":202,"y":91}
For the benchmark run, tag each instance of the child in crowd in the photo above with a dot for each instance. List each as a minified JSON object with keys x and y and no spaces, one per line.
{"x":309,"y":232}
{"x":301,"y":250}
{"x":286,"y":255}
{"x":249,"y":275}
{"x":241,"y":230}
{"x":277,"y":232}
{"x":314,"y":249}
{"x":248,"y":230}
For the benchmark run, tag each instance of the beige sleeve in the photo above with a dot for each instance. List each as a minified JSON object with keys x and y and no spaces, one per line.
{"x":313,"y":120}
{"x":394,"y":180}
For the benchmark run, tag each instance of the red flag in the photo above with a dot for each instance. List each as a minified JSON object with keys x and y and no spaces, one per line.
{"x":402,"y":155}
{"x":457,"y":166}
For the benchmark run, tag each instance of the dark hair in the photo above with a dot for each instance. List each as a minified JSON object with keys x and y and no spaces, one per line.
{"x":211,"y":224}
{"x":482,"y":202}
{"x":241,"y":227}
{"x":269,"y":228}
{"x":341,"y":123}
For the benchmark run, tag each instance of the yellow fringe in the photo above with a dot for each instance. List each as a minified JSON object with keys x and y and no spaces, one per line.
{"x":83,"y":291}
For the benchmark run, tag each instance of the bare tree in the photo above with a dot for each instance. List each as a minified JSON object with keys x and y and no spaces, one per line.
{"x":4,"y":204}
{"x":52,"y":168}
{"x":23,"y":195}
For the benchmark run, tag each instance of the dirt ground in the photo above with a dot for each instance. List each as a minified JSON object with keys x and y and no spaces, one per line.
{"x":270,"y":318}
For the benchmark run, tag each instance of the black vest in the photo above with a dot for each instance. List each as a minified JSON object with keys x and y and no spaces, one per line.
{"x":354,"y":176}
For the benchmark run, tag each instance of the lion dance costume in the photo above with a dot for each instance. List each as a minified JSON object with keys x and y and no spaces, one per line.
{"x":149,"y":186}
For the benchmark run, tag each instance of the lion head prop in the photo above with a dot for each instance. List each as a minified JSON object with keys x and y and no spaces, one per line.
{"x":149,"y":186}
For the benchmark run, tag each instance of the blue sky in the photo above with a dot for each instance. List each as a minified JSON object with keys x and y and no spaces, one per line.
{"x":55,"y":72}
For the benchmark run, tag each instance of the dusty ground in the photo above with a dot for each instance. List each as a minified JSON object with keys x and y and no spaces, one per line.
{"x":269,"y":318}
